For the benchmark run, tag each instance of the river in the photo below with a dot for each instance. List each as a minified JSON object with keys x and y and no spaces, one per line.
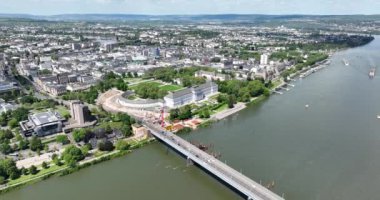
{"x":330,"y":150}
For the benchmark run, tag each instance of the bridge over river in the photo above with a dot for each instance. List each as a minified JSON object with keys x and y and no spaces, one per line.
{"x":234,"y":179}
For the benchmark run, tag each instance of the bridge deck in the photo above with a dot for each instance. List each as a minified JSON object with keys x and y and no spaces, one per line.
{"x":232,"y":177}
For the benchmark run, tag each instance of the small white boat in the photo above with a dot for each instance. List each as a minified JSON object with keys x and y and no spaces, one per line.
{"x":307,"y":105}
{"x":378,"y":116}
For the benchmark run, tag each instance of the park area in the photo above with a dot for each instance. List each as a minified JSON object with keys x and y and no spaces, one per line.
{"x":154,"y":89}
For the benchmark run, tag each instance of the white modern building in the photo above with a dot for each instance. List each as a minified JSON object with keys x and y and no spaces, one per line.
{"x":42,"y":124}
{"x":190,"y":95}
{"x":212,"y":75}
{"x":264,"y":59}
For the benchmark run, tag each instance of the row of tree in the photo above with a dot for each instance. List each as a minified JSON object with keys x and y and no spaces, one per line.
{"x":150,"y":90}
{"x":241,"y":91}
{"x":182,"y":113}
{"x":186,"y":75}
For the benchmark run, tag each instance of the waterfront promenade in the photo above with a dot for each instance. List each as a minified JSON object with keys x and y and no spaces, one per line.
{"x":239,"y":182}
{"x":225,"y":113}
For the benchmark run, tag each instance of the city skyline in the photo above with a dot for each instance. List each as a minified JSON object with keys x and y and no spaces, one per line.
{"x":195,"y":7}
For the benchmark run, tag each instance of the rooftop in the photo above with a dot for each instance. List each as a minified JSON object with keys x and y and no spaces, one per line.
{"x":45,"y":117}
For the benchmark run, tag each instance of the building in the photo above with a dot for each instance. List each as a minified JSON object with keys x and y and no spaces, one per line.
{"x":5,"y":107}
{"x":139,"y":131}
{"x":8,"y":86}
{"x":264,"y":59}
{"x":212,"y":75}
{"x":190,"y":95}
{"x":42,"y":124}
{"x":80,"y":112}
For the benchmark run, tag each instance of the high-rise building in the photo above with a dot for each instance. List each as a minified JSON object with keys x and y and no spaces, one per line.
{"x":80,"y":112}
{"x":264,"y":59}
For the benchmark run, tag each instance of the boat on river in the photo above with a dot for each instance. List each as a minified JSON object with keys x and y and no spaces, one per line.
{"x":372,"y":73}
{"x":346,"y":62}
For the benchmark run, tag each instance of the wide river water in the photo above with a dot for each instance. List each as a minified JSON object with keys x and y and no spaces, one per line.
{"x":328,"y":151}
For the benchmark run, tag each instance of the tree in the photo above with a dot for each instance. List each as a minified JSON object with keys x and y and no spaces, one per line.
{"x":266,"y":92}
{"x":3,"y":120}
{"x":108,"y":129}
{"x":127,"y":130}
{"x":105,"y":146}
{"x":81,"y":135}
{"x":6,"y":134}
{"x":122,"y":145}
{"x":231,"y":101}
{"x":23,"y":144}
{"x":33,"y":170}
{"x":62,"y":139}
{"x":20,"y":114}
{"x":2,"y":180}
{"x":46,"y":148}
{"x":72,"y":155}
{"x":36,"y":144}
{"x":222,"y":98}
{"x":121,"y":85}
{"x":9,"y":169}
{"x":149,"y":90}
{"x":24,"y":171}
{"x":256,"y":88}
{"x":85,"y":149}
{"x":56,"y":160}
{"x":5,"y":148}
{"x":185,"y":113}
{"x":174,"y":114}
{"x":205,"y":113}
{"x":45,"y":165}
{"x":13,"y":123}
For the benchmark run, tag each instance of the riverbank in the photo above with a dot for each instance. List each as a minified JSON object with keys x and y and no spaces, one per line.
{"x":63,"y":170}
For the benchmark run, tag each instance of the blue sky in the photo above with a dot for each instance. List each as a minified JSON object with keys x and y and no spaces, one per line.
{"x":159,"y":7}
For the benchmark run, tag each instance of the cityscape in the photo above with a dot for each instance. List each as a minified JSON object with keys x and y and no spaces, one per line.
{"x":168,"y":105}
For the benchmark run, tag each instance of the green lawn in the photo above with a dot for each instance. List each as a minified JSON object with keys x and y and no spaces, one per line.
{"x":221,"y":108}
{"x":169,"y":88}
{"x":112,"y":124}
{"x":154,"y":83}
{"x":49,"y":140}
{"x":62,"y":110}
{"x":40,"y":173}
{"x":133,"y":80}
{"x":276,"y":83}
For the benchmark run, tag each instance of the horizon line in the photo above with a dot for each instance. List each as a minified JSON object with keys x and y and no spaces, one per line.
{"x":200,"y":14}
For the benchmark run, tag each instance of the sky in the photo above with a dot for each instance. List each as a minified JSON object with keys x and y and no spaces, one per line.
{"x":190,"y":7}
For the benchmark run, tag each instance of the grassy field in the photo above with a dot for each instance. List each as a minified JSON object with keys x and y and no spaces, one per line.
{"x":42,"y":172}
{"x":154,"y":83}
{"x":169,"y":88}
{"x":276,"y":83}
{"x":133,"y":80}
{"x":62,"y":110}
{"x":221,"y":108}
{"x":112,"y":124}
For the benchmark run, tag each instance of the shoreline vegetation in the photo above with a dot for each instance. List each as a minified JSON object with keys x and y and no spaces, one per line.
{"x":62,"y":170}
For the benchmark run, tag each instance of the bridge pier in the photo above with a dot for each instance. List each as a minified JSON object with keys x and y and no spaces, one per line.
{"x":189,"y":162}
